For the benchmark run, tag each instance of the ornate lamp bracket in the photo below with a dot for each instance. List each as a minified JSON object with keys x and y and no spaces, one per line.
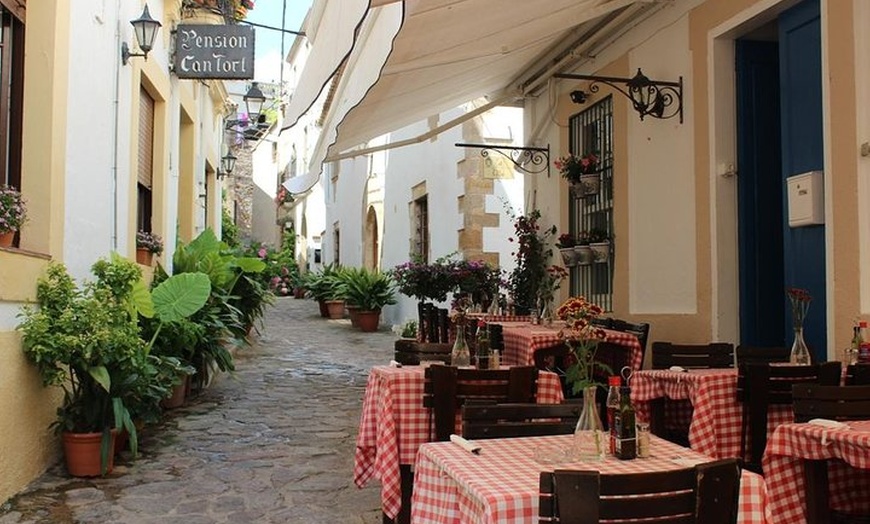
{"x":531,"y":160}
{"x":656,"y":98}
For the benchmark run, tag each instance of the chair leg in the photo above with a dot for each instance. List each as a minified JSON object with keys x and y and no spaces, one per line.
{"x":657,"y":417}
{"x":816,"y":479}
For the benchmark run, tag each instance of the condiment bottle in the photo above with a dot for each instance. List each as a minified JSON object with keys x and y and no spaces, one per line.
{"x":612,"y":405}
{"x":482,"y":346}
{"x":864,"y":347}
{"x":626,"y":441}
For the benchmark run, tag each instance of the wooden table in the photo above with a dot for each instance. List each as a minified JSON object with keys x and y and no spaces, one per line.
{"x":848,"y":452}
{"x":715,"y":414}
{"x":521,"y":340}
{"x":394,"y":424}
{"x":500,"y":486}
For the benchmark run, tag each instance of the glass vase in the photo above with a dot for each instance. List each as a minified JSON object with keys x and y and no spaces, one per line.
{"x":460,"y":356}
{"x":800,"y":354}
{"x":590,"y":441}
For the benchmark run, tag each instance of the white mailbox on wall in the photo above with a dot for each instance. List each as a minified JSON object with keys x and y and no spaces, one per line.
{"x":806,"y":199}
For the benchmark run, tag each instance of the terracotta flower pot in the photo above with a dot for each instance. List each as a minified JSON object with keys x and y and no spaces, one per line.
{"x":335,"y":308}
{"x":144,"y":257}
{"x":368,"y":321}
{"x":82,"y":453}
{"x":7,"y":238}
{"x":353,"y":313}
{"x":179,"y":393}
{"x":324,"y":311}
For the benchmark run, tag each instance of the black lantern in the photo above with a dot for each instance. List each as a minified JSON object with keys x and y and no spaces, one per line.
{"x":145,"y":28}
{"x":254,"y":100}
{"x":228,"y":163}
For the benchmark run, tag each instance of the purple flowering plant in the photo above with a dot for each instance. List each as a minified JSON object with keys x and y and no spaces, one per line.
{"x":146,"y":240}
{"x":13,"y":213}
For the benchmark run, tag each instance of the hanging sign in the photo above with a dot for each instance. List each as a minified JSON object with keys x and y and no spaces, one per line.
{"x":215,"y":51}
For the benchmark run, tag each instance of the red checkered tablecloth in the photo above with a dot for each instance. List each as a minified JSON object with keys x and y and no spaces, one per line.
{"x":716,"y":418}
{"x":501,"y":484}
{"x":521,"y":342}
{"x":498,"y":319}
{"x":848,"y":477}
{"x":394,"y":424}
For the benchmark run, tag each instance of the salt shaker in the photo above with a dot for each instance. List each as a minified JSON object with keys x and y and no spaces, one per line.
{"x":643,"y":450}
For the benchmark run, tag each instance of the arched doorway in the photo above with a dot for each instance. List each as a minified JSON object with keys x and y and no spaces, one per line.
{"x":371,"y":248}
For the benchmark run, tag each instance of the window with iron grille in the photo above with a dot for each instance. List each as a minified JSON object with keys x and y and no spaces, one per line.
{"x":421,"y":229}
{"x":591,"y":131}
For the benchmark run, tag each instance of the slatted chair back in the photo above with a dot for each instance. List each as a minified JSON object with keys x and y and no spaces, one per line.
{"x":602,"y":322}
{"x":692,"y":356}
{"x":518,"y":420}
{"x":831,"y":402}
{"x":707,"y":494}
{"x":413,"y":352}
{"x":858,"y":375}
{"x":496,"y":336}
{"x":640,"y":330}
{"x":760,"y":386}
{"x":762,"y":354}
{"x":841,"y":403}
{"x":447,"y":388}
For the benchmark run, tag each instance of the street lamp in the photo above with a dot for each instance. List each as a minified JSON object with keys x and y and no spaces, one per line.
{"x":228,"y":163}
{"x":145,"y":28}
{"x":254,"y":100}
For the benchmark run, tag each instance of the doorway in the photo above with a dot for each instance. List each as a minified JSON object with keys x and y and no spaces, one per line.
{"x":779,"y":135}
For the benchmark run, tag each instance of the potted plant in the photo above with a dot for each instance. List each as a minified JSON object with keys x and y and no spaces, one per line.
{"x":532,"y":258}
{"x":82,"y":340}
{"x":582,"y":249}
{"x":599,"y":243}
{"x":478,"y":280}
{"x":566,"y":243}
{"x":581,"y":172}
{"x":369,"y":291}
{"x":13,"y":214}
{"x":147,"y":245}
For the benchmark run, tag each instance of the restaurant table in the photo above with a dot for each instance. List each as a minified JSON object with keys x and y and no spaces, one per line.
{"x":521,"y":340}
{"x":498,"y":319}
{"x":715,"y":414}
{"x":394,"y":424}
{"x":848,"y":476}
{"x":501,"y":484}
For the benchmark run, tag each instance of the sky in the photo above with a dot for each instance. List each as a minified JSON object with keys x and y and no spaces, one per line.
{"x":268,"y":57}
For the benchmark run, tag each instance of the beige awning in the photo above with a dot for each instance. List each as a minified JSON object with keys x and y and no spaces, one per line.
{"x":413,"y":59}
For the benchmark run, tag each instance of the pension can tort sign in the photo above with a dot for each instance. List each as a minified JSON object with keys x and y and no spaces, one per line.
{"x":215,"y":51}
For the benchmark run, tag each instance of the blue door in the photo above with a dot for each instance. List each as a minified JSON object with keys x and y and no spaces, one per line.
{"x":802,"y":151}
{"x":759,"y":200}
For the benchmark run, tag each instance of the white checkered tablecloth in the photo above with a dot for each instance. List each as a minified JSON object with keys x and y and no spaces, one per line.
{"x":848,"y":478}
{"x":501,"y":484}
{"x":394,"y":424}
{"x":716,"y":418}
{"x":521,"y":342}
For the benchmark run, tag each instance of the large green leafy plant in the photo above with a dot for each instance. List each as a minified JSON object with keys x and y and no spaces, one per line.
{"x":368,"y":290}
{"x":230,"y":308}
{"x":532,"y":257}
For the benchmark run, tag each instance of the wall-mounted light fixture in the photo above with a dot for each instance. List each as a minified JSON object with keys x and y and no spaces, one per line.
{"x":145,"y":28}
{"x":254,"y":100}
{"x":655,"y":98}
{"x":228,"y":163}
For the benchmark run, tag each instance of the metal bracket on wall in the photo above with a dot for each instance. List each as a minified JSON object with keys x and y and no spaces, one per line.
{"x":531,"y":160}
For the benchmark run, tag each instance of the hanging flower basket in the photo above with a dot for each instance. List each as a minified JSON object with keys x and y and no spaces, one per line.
{"x":584,"y":255}
{"x":569,"y":256}
{"x":590,"y":183}
{"x":601,"y":252}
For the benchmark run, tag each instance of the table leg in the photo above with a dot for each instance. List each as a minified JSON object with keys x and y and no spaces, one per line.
{"x":404,"y":516}
{"x":816,"y":478}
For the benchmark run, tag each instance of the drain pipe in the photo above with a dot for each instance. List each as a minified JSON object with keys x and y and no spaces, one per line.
{"x":116,"y":123}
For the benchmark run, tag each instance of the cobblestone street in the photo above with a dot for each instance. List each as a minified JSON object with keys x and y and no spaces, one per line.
{"x":273,"y":442}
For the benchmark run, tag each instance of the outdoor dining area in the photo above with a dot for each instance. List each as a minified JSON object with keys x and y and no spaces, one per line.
{"x":490,"y":416}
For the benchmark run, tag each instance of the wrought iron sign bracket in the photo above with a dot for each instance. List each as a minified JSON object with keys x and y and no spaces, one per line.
{"x":531,"y":160}
{"x":656,"y":98}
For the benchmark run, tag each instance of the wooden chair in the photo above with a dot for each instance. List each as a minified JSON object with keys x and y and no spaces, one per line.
{"x":518,"y":420}
{"x":692,"y":356}
{"x":858,"y":375}
{"x":707,"y":494}
{"x":412,"y":353}
{"x":835,"y":403}
{"x":641,"y":331}
{"x":761,"y":354}
{"x":760,"y":386}
{"x":446,"y":389}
